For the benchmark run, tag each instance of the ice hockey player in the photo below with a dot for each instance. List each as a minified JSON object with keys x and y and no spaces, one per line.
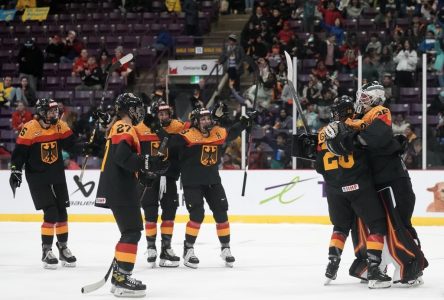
{"x":122,"y":165}
{"x":164,"y":188}
{"x":39,"y":149}
{"x":350,"y":193}
{"x":373,"y":133}
{"x":200,"y":150}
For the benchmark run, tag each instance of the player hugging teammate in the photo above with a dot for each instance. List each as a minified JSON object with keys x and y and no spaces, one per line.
{"x":364,"y":137}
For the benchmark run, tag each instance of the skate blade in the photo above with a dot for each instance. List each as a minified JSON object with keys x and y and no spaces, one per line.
{"x":374,"y":284}
{"x":229,"y":264}
{"x":67,"y":264}
{"x":119,"y":292}
{"x":113,"y":288}
{"x":413,"y":283}
{"x":168,"y":263}
{"x":328,"y":281}
{"x":190,"y":265}
{"x":152,"y":265}
{"x":49,"y":266}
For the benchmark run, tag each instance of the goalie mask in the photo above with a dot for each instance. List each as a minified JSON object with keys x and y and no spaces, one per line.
{"x":162,"y":111}
{"x":47,"y":111}
{"x":342,"y":108}
{"x":130,"y":105}
{"x":370,"y":95}
{"x":201,"y":119}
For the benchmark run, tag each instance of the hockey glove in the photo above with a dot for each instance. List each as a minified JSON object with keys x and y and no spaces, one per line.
{"x":248,"y":120}
{"x":15,"y":180}
{"x":219,"y":110}
{"x":332,"y":130}
{"x":103,"y":118}
{"x":155,"y":164}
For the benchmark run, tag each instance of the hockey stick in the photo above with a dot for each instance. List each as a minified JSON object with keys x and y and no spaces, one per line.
{"x":288,"y":183}
{"x":293,"y":92}
{"x":113,"y":67}
{"x":95,"y":286}
{"x":250,"y":136}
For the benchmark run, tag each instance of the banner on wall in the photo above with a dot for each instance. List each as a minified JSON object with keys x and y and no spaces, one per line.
{"x":304,"y":197}
{"x":35,"y":14}
{"x":7,"y":15}
{"x":192,"y":67}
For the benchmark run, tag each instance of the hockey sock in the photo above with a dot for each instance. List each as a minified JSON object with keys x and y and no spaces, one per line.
{"x":62,"y":231}
{"x":223,"y":232}
{"x":337,"y":242}
{"x":166,"y":230}
{"x":375,"y":243}
{"x":126,"y":256}
{"x":191,"y":232}
{"x":47,"y":231}
{"x":151,"y":233}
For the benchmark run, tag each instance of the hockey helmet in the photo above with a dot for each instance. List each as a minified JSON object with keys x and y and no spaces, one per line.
{"x":342,"y":108}
{"x":370,"y":95}
{"x":43,"y":106}
{"x":198,"y":113}
{"x":131,"y":105}
{"x":158,"y":106}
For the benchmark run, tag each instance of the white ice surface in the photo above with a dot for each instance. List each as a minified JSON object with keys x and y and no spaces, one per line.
{"x":273,"y":261}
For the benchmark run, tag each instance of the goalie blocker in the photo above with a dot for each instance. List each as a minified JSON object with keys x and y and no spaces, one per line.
{"x":405,"y":254}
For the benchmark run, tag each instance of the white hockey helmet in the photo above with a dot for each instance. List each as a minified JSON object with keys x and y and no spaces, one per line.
{"x":370,"y":95}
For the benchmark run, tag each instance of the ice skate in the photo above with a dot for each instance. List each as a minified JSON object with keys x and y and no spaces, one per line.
{"x":49,"y":260}
{"x":168,"y":258}
{"x":123,"y":285}
{"x":332,"y":269}
{"x":65,"y":256}
{"x":152,"y":256}
{"x":376,"y":278}
{"x":189,"y":258}
{"x":227,"y":257}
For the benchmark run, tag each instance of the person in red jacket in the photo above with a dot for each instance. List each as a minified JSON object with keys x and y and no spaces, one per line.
{"x":330,"y":14}
{"x":20,"y":117}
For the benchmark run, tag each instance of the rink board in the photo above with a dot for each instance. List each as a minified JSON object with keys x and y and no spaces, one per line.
{"x":303,"y":201}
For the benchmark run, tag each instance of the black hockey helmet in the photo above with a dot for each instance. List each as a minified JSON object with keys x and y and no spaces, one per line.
{"x":158,"y":106}
{"x":196,"y":114}
{"x":342,"y":108}
{"x":43,"y":106}
{"x":131,"y":105}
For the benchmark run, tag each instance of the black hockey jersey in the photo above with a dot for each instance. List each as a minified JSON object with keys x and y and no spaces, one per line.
{"x":40,"y":150}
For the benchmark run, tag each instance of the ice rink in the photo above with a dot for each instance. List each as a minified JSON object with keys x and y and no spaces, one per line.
{"x":273,"y":261}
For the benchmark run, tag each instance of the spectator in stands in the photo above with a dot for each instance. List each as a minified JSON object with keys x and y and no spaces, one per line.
{"x":320,"y":71}
{"x":335,"y":30}
{"x":281,"y":151}
{"x":433,"y":159}
{"x":196,"y":100}
{"x":72,"y":47}
{"x":258,"y":16}
{"x":276,"y":21}
{"x":311,"y":93}
{"x":329,"y":52}
{"x":54,"y":51}
{"x":410,"y":133}
{"x":312,"y":118}
{"x":164,"y":40}
{"x":64,"y":111}
{"x":228,"y":164}
{"x":92,"y":76}
{"x":440,"y":128}
{"x":104,"y":61}
{"x":389,"y":89}
{"x":80,"y":63}
{"x":232,"y":56}
{"x":406,"y":61}
{"x":309,"y":15}
{"x":124,"y":70}
{"x":351,"y":51}
{"x":7,"y":92}
{"x":191,"y":10}
{"x":374,"y":44}
{"x":25,"y":92}
{"x":31,"y":60}
{"x":274,"y":58}
{"x":354,"y":8}
{"x":428,"y":44}
{"x":259,"y":48}
{"x":286,"y":34}
{"x":399,"y":124}
{"x":283,"y":121}
{"x":20,"y":117}
{"x":386,"y":63}
{"x":329,"y":14}
{"x":369,"y":71}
